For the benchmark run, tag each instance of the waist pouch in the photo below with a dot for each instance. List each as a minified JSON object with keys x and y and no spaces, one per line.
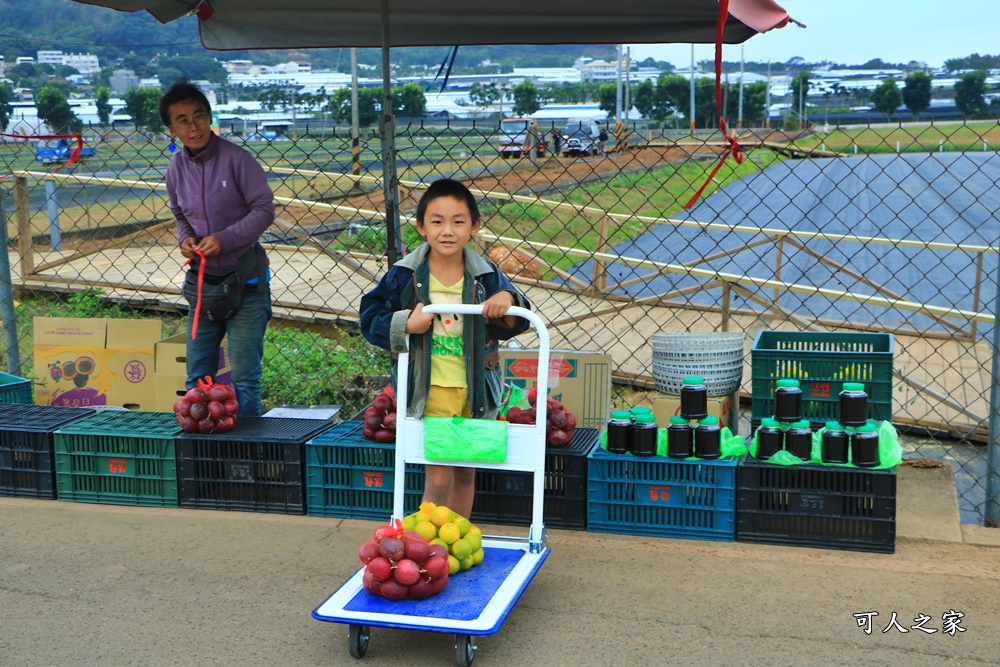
{"x":222,"y":291}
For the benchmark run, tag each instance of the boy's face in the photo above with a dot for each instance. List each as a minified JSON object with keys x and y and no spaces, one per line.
{"x":447,"y":226}
{"x":190,"y":122}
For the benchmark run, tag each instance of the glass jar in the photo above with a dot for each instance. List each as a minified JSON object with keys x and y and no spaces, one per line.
{"x":835,"y":443}
{"x":864,"y":446}
{"x":680,"y":438}
{"x":707,"y":438}
{"x":798,"y":440}
{"x":694,"y":398}
{"x":770,"y":438}
{"x":619,"y":432}
{"x":788,"y":401}
{"x":853,"y":404}
{"x":644,"y":433}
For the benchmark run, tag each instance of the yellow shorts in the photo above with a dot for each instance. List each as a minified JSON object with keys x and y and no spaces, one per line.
{"x":447,"y":402}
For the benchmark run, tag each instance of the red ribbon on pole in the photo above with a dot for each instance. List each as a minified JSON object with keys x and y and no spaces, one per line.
{"x":201,"y":282}
{"x":734,"y":148}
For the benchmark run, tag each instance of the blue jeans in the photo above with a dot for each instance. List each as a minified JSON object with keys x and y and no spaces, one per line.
{"x":246,"y":349}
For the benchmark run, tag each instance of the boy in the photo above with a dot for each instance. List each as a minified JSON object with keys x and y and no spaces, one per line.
{"x":222,"y":203}
{"x":454,"y":366}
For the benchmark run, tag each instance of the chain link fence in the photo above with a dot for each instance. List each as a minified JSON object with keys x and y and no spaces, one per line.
{"x":886,"y":228}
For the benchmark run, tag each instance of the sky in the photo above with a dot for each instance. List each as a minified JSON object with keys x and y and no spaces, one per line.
{"x":853,"y":32}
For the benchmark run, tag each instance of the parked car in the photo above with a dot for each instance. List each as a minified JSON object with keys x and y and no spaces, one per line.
{"x":581,"y":137}
{"x":518,"y":136}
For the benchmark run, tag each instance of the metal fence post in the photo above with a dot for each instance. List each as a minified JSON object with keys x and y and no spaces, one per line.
{"x":992,"y":509}
{"x":55,"y":234}
{"x":7,"y":312}
{"x":22,"y":214}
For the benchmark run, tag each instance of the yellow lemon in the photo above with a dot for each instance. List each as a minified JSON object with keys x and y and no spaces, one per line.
{"x":453,"y":565}
{"x":427,"y":506}
{"x":409,"y":522}
{"x":427,"y":530}
{"x":478,"y":556}
{"x":422,"y":515}
{"x":475,"y":541}
{"x":465,"y":563}
{"x":464,"y":525}
{"x":441,"y":515}
{"x":461,"y":549}
{"x":449,"y":533}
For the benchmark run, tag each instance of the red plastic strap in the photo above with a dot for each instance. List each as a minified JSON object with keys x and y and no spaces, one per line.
{"x":73,"y":157}
{"x":734,"y":146}
{"x":201,"y":281}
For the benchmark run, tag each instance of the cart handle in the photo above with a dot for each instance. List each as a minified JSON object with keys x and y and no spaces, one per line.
{"x":477,"y":309}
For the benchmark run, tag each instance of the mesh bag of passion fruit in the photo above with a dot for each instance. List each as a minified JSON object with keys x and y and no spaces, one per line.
{"x":402,"y":564}
{"x":443,"y":527}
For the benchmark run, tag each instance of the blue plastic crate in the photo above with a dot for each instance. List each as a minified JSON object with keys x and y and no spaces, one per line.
{"x":661,"y":497}
{"x":350,"y":477}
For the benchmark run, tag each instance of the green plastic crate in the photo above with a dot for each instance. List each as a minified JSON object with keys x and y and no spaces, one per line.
{"x":822,"y":362}
{"x":350,"y":477}
{"x":14,"y":389}
{"x":118,"y":458}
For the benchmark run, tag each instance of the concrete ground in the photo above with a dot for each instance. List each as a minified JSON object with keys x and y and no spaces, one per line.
{"x":84,"y":585}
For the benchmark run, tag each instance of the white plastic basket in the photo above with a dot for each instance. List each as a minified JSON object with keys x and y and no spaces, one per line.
{"x":719,"y":380}
{"x":695,"y":346}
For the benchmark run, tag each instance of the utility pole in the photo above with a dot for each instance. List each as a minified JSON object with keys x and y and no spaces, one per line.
{"x":618,"y":83}
{"x":355,"y":133}
{"x":692,"y":91}
{"x":739,"y":120}
{"x":628,"y":82}
{"x":767,"y":98}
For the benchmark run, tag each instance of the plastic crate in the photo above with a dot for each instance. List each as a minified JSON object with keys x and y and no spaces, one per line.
{"x":505,"y":497}
{"x":350,"y":477}
{"x":822,"y":363}
{"x":14,"y":389}
{"x":812,"y":505}
{"x":118,"y":458}
{"x":259,"y":466}
{"x":661,"y":497}
{"x":27,"y":464}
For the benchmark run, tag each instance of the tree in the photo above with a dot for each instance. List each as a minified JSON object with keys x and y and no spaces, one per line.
{"x":644,"y":98}
{"x":800,"y":93}
{"x":917,"y":92}
{"x":526,"y":98}
{"x":411,"y":99}
{"x":143,"y":106}
{"x":754,"y":99}
{"x":103,"y":106}
{"x":607,"y":98}
{"x":887,"y":97}
{"x":485,"y":96}
{"x":6,"y":94}
{"x":970,"y":94}
{"x":54,"y":111}
{"x":195,"y":67}
{"x":672,"y":95}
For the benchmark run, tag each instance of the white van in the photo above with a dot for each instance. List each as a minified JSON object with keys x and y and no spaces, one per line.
{"x":580,"y":137}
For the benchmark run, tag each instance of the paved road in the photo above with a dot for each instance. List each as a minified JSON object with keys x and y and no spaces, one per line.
{"x":104,"y":585}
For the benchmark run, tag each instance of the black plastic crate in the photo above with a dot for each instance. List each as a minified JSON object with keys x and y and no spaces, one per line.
{"x":259,"y":466}
{"x":27,"y":460}
{"x":504,"y":497}
{"x":350,"y":477}
{"x":813,"y":505}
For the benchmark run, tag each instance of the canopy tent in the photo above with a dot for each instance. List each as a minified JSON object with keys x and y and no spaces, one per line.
{"x":264,"y":24}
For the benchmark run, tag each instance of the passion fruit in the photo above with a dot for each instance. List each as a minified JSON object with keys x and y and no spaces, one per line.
{"x":85,"y":365}
{"x":69,"y":370}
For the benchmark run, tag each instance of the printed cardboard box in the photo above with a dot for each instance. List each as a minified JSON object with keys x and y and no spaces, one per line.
{"x":579,"y":380}
{"x":723,"y":407}
{"x":171,"y":370}
{"x":90,"y":361}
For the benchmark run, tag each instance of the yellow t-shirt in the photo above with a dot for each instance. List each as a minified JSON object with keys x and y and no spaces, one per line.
{"x":447,"y":349}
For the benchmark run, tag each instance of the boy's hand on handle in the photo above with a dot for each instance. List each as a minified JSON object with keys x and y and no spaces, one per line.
{"x":497,"y":305}
{"x":419,"y":322}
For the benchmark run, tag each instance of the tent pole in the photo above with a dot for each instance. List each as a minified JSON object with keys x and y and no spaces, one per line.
{"x":387,"y":124}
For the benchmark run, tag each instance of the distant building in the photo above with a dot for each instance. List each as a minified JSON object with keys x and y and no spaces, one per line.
{"x":599,"y":70}
{"x":151,"y":82}
{"x":25,"y":60}
{"x":123,"y":79}
{"x":49,"y":57}
{"x":238,"y":66}
{"x":84,"y":63}
{"x":3,"y":67}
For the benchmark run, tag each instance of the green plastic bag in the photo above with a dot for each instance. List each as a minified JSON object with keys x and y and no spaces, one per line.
{"x":889,"y":449}
{"x":465,"y":439}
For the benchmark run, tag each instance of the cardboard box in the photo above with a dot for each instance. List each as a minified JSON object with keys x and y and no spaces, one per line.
{"x":171,"y":370}
{"x":665,"y":407}
{"x":90,"y":361}
{"x":579,"y":380}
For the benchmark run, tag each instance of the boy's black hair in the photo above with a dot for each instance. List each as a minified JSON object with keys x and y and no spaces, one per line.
{"x":446,"y":187}
{"x":182,"y":91}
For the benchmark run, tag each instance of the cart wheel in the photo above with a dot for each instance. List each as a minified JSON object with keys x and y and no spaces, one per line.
{"x":465,"y":650}
{"x":357,"y":640}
